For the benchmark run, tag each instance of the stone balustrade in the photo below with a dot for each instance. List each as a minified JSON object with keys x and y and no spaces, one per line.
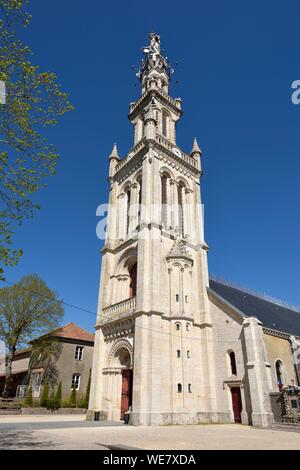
{"x":119,"y":310}
{"x":169,"y":146}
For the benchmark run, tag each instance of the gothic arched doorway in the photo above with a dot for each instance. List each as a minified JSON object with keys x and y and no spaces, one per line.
{"x":119,"y":380}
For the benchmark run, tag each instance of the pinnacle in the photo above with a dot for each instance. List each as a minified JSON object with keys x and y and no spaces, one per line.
{"x":114,"y":152}
{"x":196,"y":148}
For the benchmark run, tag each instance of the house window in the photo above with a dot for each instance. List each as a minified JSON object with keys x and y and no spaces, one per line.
{"x":75,"y":381}
{"x":190,"y":388}
{"x":294,"y":403}
{"x":179,"y":388}
{"x":178,"y":353}
{"x":177,"y":326}
{"x":186,"y":299}
{"x":79,"y":353}
{"x":188,"y":354}
{"x":177,"y":297}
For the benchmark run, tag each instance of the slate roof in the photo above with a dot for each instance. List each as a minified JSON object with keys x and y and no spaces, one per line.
{"x":271,"y":314}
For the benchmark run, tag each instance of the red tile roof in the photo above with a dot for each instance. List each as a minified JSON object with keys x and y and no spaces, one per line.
{"x":73,"y":331}
{"x":22,"y":351}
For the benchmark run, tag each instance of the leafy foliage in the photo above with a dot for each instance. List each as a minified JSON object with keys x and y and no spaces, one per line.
{"x":27,"y":309}
{"x":73,"y":397}
{"x":85,"y":403}
{"x":45,"y":395}
{"x":45,"y":353}
{"x":58,"y":396}
{"x":29,"y":399}
{"x":34,"y":100}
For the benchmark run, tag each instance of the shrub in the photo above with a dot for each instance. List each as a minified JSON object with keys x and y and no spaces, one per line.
{"x":82,"y":403}
{"x":87,"y":392}
{"x":73,"y":398}
{"x":45,"y":396}
{"x":58,"y":396}
{"x":65,"y":404}
{"x":29,"y":399}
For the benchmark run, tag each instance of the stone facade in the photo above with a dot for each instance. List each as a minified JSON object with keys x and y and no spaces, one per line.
{"x":66,"y":363}
{"x":194,"y":358}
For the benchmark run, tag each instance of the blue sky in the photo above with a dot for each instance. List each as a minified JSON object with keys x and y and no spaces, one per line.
{"x":237,"y":61}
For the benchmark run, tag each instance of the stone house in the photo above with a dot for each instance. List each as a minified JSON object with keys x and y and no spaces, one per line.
{"x":71,"y":364}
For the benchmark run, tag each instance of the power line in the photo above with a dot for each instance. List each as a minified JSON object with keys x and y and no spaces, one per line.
{"x":136,"y":326}
{"x":49,"y":298}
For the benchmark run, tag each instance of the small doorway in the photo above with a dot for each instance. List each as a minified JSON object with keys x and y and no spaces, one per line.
{"x":236,"y":403}
{"x":126,"y":397}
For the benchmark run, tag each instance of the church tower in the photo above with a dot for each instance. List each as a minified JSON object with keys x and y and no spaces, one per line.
{"x":153,"y":344}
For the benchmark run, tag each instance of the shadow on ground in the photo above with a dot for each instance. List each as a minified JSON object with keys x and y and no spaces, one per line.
{"x":24,"y":440}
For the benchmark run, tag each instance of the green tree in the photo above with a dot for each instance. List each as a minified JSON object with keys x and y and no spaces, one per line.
{"x":87,"y":392}
{"x":73,"y":397}
{"x":45,"y":396}
{"x":44,"y":355}
{"x":58,"y":396}
{"x":34,"y":100}
{"x":29,"y":399}
{"x":29,"y":308}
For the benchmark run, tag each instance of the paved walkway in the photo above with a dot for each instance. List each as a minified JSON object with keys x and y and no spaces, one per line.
{"x":73,"y":432}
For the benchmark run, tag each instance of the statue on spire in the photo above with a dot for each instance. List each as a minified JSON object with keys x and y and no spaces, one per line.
{"x":154,"y":60}
{"x":154,"y":46}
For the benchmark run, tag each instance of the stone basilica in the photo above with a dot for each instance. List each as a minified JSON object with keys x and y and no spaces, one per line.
{"x":171,"y":345}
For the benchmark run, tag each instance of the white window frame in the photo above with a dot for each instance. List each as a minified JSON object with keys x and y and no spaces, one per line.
{"x":81,"y":349}
{"x":74,"y":381}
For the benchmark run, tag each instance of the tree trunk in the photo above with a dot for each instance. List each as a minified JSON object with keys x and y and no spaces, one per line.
{"x":8,"y":374}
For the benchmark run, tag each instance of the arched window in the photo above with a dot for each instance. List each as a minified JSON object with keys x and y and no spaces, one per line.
{"x":127,"y":209}
{"x":188,"y":354}
{"x":164,"y":200}
{"x":279,"y":374}
{"x":132,"y":283}
{"x":190,"y":388}
{"x":140,"y":200}
{"x":187,"y":326}
{"x":165,"y":123}
{"x":178,"y":353}
{"x":232,"y":363}
{"x":181,"y":209}
{"x":179,"y":388}
{"x":177,"y":326}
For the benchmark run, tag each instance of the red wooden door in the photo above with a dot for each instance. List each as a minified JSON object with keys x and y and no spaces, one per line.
{"x":126,"y":391}
{"x":236,"y":403}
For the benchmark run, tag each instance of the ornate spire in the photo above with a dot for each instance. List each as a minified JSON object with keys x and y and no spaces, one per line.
{"x":196,"y":149}
{"x":114,"y":152}
{"x":155,"y":72}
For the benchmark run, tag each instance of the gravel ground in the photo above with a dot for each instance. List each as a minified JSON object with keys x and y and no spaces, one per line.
{"x":73,"y":432}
